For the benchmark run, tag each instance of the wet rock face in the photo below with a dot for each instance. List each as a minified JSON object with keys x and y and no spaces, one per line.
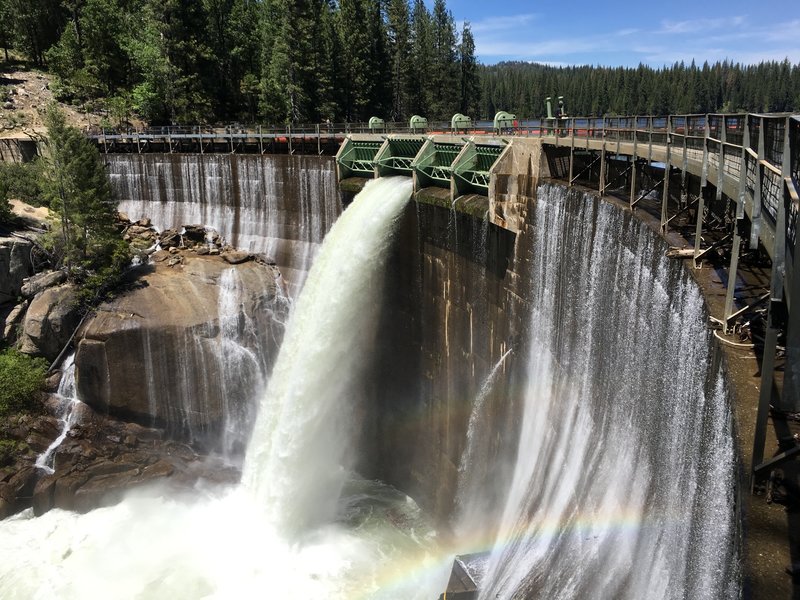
{"x":100,"y":460}
{"x":186,"y":348}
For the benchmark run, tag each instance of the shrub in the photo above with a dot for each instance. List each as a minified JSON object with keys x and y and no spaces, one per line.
{"x":21,"y":181}
{"x":21,"y":379}
{"x":8,"y":450}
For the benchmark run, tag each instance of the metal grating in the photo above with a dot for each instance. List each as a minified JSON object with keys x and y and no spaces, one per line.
{"x":733,"y":162}
{"x":734,"y":129}
{"x":715,"y":126}
{"x":791,"y":225}
{"x":771,"y":193}
{"x":754,"y":125}
{"x":696,"y":126}
{"x":713,"y":154}
{"x":794,"y":166}
{"x":750,"y":183}
{"x":774,"y":131}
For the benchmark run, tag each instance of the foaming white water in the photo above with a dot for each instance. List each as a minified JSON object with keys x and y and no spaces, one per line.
{"x":623,"y":481}
{"x":219,"y":545}
{"x":299,"y":455}
{"x":370,"y":541}
{"x":68,"y":404}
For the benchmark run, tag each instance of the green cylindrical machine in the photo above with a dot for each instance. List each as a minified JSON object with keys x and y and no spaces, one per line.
{"x":460,"y":122}
{"x":418,"y":123}
{"x":504,"y":121}
{"x":376,"y":124}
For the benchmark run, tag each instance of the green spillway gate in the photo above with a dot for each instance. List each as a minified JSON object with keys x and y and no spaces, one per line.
{"x":471,"y":170}
{"x":397,"y":155}
{"x":459,"y":166}
{"x":356,"y":158}
{"x":433,"y":165}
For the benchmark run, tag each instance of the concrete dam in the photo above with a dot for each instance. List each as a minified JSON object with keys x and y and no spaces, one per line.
{"x":507,"y":371}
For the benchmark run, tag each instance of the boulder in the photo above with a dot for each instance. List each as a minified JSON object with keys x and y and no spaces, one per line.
{"x":15,"y":266}
{"x":50,"y":321}
{"x":164,"y":354}
{"x":41,"y":281}
{"x":170,"y":238}
{"x":12,"y":321}
{"x":236,"y":258}
{"x":195,"y":233}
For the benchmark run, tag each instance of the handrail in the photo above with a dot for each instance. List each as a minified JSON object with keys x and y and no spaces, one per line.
{"x":525,"y":127}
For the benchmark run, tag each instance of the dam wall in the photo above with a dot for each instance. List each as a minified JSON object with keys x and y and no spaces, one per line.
{"x":277,"y":205}
{"x":547,"y":365}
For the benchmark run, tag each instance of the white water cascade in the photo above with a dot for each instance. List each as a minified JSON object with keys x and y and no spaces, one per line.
{"x":301,"y":525}
{"x":300,"y":452}
{"x":68,"y":412}
{"x":623,"y":483}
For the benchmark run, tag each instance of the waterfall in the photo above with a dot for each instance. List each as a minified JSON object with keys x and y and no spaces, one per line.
{"x":285,"y":532}
{"x":281,"y":206}
{"x":205,"y":381}
{"x":624,"y":474}
{"x":300,"y":450}
{"x":68,"y":405}
{"x":243,"y":370}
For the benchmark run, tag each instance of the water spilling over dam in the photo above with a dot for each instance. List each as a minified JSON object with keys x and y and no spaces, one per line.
{"x":623,"y":479}
{"x":281,"y":206}
{"x":548,"y":399}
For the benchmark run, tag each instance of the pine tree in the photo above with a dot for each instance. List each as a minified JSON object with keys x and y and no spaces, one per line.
{"x":421,"y":85}
{"x":78,"y":190}
{"x":399,"y":32}
{"x":470,"y":90}
{"x":444,"y":73}
{"x":36,"y":25}
{"x":5,"y":27}
{"x":174,"y":62}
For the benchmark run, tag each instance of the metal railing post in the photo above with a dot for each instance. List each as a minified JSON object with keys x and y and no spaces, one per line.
{"x":667,"y":173}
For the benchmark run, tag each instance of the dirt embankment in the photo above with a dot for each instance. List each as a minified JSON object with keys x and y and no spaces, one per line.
{"x":24,"y":95}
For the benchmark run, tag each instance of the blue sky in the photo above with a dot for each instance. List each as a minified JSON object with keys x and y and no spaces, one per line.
{"x":625,"y":33}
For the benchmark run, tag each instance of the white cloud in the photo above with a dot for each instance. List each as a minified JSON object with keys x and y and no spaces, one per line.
{"x":502,"y":23}
{"x":700,"y":25}
{"x":737,"y":38}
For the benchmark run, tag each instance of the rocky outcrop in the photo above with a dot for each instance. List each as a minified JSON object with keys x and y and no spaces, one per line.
{"x":50,"y":321}
{"x":186,"y":347}
{"x":41,"y":281}
{"x":100,"y":460}
{"x":12,"y":321}
{"x":15,"y":266}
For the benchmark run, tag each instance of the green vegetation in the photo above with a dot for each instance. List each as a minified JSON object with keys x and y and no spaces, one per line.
{"x":9,"y":449}
{"x":76,"y":186}
{"x":269,"y":61}
{"x":678,"y":89}
{"x":190,"y":61}
{"x":19,"y":181}
{"x":21,"y":379}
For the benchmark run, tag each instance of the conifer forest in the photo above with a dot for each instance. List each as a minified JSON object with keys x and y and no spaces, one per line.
{"x":312,"y":61}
